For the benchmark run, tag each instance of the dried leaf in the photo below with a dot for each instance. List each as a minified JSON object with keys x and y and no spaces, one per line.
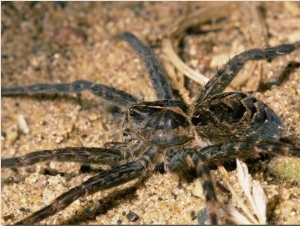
{"x":254,"y":193}
{"x":259,"y":198}
{"x":237,"y":217}
{"x":242,"y":173}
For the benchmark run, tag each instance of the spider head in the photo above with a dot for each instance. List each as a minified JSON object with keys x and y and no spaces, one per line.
{"x":161,"y":123}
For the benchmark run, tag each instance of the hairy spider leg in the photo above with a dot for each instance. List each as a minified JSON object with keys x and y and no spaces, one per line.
{"x":90,"y":155}
{"x":244,"y":149}
{"x":192,"y":160}
{"x":155,"y":70}
{"x":225,"y":75}
{"x":118,"y":97}
{"x":104,"y":180}
{"x":117,"y":176}
{"x":198,"y":160}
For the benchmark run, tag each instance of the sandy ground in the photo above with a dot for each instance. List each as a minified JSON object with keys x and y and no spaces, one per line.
{"x":34,"y":50}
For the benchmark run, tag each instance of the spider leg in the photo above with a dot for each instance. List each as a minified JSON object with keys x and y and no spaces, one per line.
{"x":225,"y":75}
{"x":154,"y":68}
{"x":118,"y":97}
{"x":105,"y":180}
{"x":198,"y":159}
{"x":68,"y":154}
{"x":220,"y":153}
{"x":193,"y":160}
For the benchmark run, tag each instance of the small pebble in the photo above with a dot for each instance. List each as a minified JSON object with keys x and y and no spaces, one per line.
{"x":287,"y":168}
{"x":132,"y":216}
{"x":68,"y":35}
{"x":197,"y":189}
{"x":203,"y":217}
{"x":12,"y":134}
{"x":23,"y":124}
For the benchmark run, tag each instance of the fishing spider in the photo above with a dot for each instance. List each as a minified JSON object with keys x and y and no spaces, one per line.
{"x":184,"y":139}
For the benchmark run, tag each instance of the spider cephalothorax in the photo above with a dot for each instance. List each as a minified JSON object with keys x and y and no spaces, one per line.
{"x":215,"y":128}
{"x":163,"y":123}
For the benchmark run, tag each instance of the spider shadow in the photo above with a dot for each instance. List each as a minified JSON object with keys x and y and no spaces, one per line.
{"x":114,"y":199}
{"x":283,"y":77}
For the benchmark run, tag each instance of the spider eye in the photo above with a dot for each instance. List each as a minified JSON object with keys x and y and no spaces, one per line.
{"x":137,"y":113}
{"x":131,"y":111}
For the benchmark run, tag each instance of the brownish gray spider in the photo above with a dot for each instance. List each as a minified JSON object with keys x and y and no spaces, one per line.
{"x":217,"y":127}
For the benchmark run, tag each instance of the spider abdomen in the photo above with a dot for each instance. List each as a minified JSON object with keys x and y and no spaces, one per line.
{"x":235,"y":115}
